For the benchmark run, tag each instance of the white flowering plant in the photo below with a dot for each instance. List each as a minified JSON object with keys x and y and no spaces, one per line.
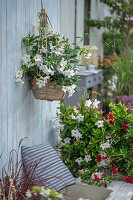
{"x":50,"y":58}
{"x":83,"y":143}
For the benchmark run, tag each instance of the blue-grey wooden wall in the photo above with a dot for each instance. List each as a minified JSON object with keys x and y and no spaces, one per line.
{"x":20,"y":114}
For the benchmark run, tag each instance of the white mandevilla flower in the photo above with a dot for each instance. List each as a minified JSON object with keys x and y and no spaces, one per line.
{"x":76,"y":133}
{"x":19,"y":74}
{"x":70,"y":90}
{"x":50,"y":72}
{"x":79,"y":160}
{"x":99,"y":124}
{"x":103,"y":154}
{"x":30,"y":64}
{"x":88,"y":103}
{"x":38,"y":58}
{"x":98,"y":174}
{"x":19,"y":82}
{"x":43,"y":49}
{"x":95,"y":103}
{"x":67,"y":140}
{"x":41,"y":83}
{"x":73,"y":117}
{"x":80,"y":118}
{"x":105,"y":145}
{"x":81,"y":171}
{"x":78,"y":180}
{"x":69,"y":73}
{"x":64,"y":88}
{"x":44,"y":68}
{"x":101,"y":163}
{"x":75,"y":110}
{"x":26,"y":59}
{"x":88,"y":158}
{"x":63,"y":62}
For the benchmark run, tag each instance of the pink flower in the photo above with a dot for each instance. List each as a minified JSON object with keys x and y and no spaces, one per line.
{"x":96,"y":177}
{"x":99,"y":158}
{"x":124,"y":126}
{"x":111,"y":121}
{"x":128,"y":180}
{"x":115,"y":170}
{"x":111,"y":115}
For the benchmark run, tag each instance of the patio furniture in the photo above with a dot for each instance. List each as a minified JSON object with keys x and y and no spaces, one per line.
{"x":57,"y":176}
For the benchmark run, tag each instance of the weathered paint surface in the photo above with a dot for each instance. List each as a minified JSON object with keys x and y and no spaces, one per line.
{"x":20,"y":114}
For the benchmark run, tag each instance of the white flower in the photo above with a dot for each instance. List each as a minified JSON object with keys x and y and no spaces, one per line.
{"x":41,"y":83}
{"x":87,"y":170}
{"x":73,"y":117}
{"x":19,"y":82}
{"x":105,"y":145}
{"x":70,"y":90}
{"x":69,"y":73}
{"x":64,"y":88}
{"x":67,"y":140}
{"x":80,"y":117}
{"x":19,"y":74}
{"x":101,"y":163}
{"x":99,"y":124}
{"x":30,"y":64}
{"x":88,"y":158}
{"x":79,"y":160}
{"x":88,"y":103}
{"x":95,"y":103}
{"x":44,"y":68}
{"x":75,"y":110}
{"x":76,"y":133}
{"x":49,"y":71}
{"x":50,"y":31}
{"x":103,"y":154}
{"x":81,"y":171}
{"x":38,"y":58}
{"x":98,"y":174}
{"x":73,"y":86}
{"x":61,"y":70}
{"x":63,"y":62}
{"x":43,"y":49}
{"x":26,"y":59}
{"x":78,"y":180}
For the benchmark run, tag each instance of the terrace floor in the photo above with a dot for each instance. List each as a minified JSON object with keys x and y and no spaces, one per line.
{"x":121,"y":191}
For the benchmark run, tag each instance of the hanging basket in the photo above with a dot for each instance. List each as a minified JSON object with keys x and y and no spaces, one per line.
{"x":49,"y":92}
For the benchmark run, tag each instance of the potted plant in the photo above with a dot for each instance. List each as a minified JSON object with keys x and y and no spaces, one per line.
{"x":50,"y":62}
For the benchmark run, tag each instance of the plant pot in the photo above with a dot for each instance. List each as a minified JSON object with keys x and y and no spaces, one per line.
{"x":48,"y":92}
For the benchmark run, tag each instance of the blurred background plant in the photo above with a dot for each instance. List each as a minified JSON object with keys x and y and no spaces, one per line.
{"x":117,"y":38}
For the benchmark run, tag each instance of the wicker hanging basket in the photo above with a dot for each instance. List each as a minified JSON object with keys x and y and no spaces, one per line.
{"x":49,"y":92}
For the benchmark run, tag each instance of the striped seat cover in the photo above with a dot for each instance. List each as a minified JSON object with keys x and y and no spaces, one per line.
{"x":49,"y":167}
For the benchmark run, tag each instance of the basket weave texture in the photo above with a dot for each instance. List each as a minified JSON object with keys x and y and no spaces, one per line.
{"x":49,"y":92}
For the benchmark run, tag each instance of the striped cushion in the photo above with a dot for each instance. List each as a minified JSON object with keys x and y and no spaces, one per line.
{"x":50,"y":169}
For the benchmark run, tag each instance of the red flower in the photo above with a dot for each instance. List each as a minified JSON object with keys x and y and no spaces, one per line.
{"x":131,"y":138}
{"x":132,"y":154}
{"x":104,"y":117}
{"x":105,"y":158}
{"x":111,"y":115}
{"x":111,"y":121}
{"x":124,"y":126}
{"x":118,"y":159}
{"x":103,"y":183}
{"x":128,"y":180}
{"x":96,"y":177}
{"x":99,"y":158}
{"x":115,"y":170}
